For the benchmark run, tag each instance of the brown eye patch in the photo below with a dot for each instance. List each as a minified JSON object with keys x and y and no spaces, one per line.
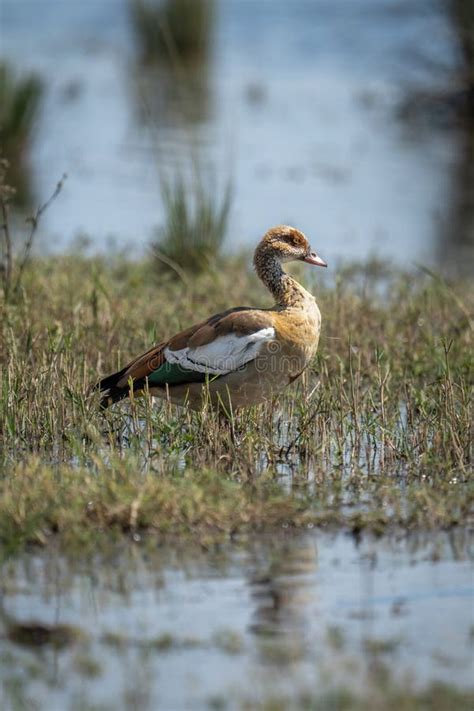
{"x":296,"y":240}
{"x":287,"y":238}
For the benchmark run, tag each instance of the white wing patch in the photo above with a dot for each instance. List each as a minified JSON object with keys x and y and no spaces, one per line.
{"x":223,"y":355}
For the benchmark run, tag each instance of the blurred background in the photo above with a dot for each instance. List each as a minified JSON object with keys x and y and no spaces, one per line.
{"x":352,"y":120}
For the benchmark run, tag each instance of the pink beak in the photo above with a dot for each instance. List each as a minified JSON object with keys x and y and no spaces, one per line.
{"x":313,"y":258}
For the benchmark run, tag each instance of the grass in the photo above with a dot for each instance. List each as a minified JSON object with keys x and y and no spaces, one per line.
{"x":377,"y":434}
{"x":20,"y":99}
{"x":172,"y":29}
{"x":391,"y":696}
{"x":82,"y":503}
{"x":196,"y":226}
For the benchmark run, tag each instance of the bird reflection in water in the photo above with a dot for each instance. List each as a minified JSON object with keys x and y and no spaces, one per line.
{"x":281,"y":591}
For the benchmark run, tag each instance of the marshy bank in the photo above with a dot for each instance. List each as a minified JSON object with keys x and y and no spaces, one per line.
{"x":377,"y":433}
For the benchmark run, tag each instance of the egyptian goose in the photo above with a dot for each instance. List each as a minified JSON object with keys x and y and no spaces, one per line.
{"x":244,"y":354}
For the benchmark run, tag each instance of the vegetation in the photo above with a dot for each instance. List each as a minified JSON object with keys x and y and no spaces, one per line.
{"x":13,"y":264}
{"x":377,"y":434}
{"x":450,"y":101}
{"x":195,"y":228}
{"x":437,"y":697}
{"x":172,"y":29}
{"x":20,"y":99}
{"x":462,"y":19}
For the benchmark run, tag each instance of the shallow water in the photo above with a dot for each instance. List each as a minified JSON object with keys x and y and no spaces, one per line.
{"x":175,"y":628}
{"x":296,"y":104}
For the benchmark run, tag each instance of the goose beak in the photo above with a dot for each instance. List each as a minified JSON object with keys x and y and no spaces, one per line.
{"x":313,"y":258}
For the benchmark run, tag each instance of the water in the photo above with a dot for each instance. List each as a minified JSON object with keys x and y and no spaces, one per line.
{"x":296,"y":105}
{"x":179,"y":627}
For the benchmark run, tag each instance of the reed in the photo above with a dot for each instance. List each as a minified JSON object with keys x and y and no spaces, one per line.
{"x":172,"y":29}
{"x":20,"y":100}
{"x":196,"y":225}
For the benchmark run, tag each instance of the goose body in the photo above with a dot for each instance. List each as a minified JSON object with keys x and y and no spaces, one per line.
{"x":242,"y":356}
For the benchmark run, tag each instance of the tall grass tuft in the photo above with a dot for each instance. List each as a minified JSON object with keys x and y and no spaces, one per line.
{"x":172,"y":28}
{"x":195,"y":226}
{"x":19,"y":104}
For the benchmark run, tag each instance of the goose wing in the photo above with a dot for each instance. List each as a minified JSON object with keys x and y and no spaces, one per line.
{"x":215,"y":347}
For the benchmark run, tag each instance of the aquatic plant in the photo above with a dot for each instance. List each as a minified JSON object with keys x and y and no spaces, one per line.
{"x":173,"y":29}
{"x":20,"y":99}
{"x":196,"y":223}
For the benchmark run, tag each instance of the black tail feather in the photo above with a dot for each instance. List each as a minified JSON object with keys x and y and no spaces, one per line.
{"x":110,"y":391}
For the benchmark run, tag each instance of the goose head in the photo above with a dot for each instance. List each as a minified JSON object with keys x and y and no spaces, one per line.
{"x":287,"y":244}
